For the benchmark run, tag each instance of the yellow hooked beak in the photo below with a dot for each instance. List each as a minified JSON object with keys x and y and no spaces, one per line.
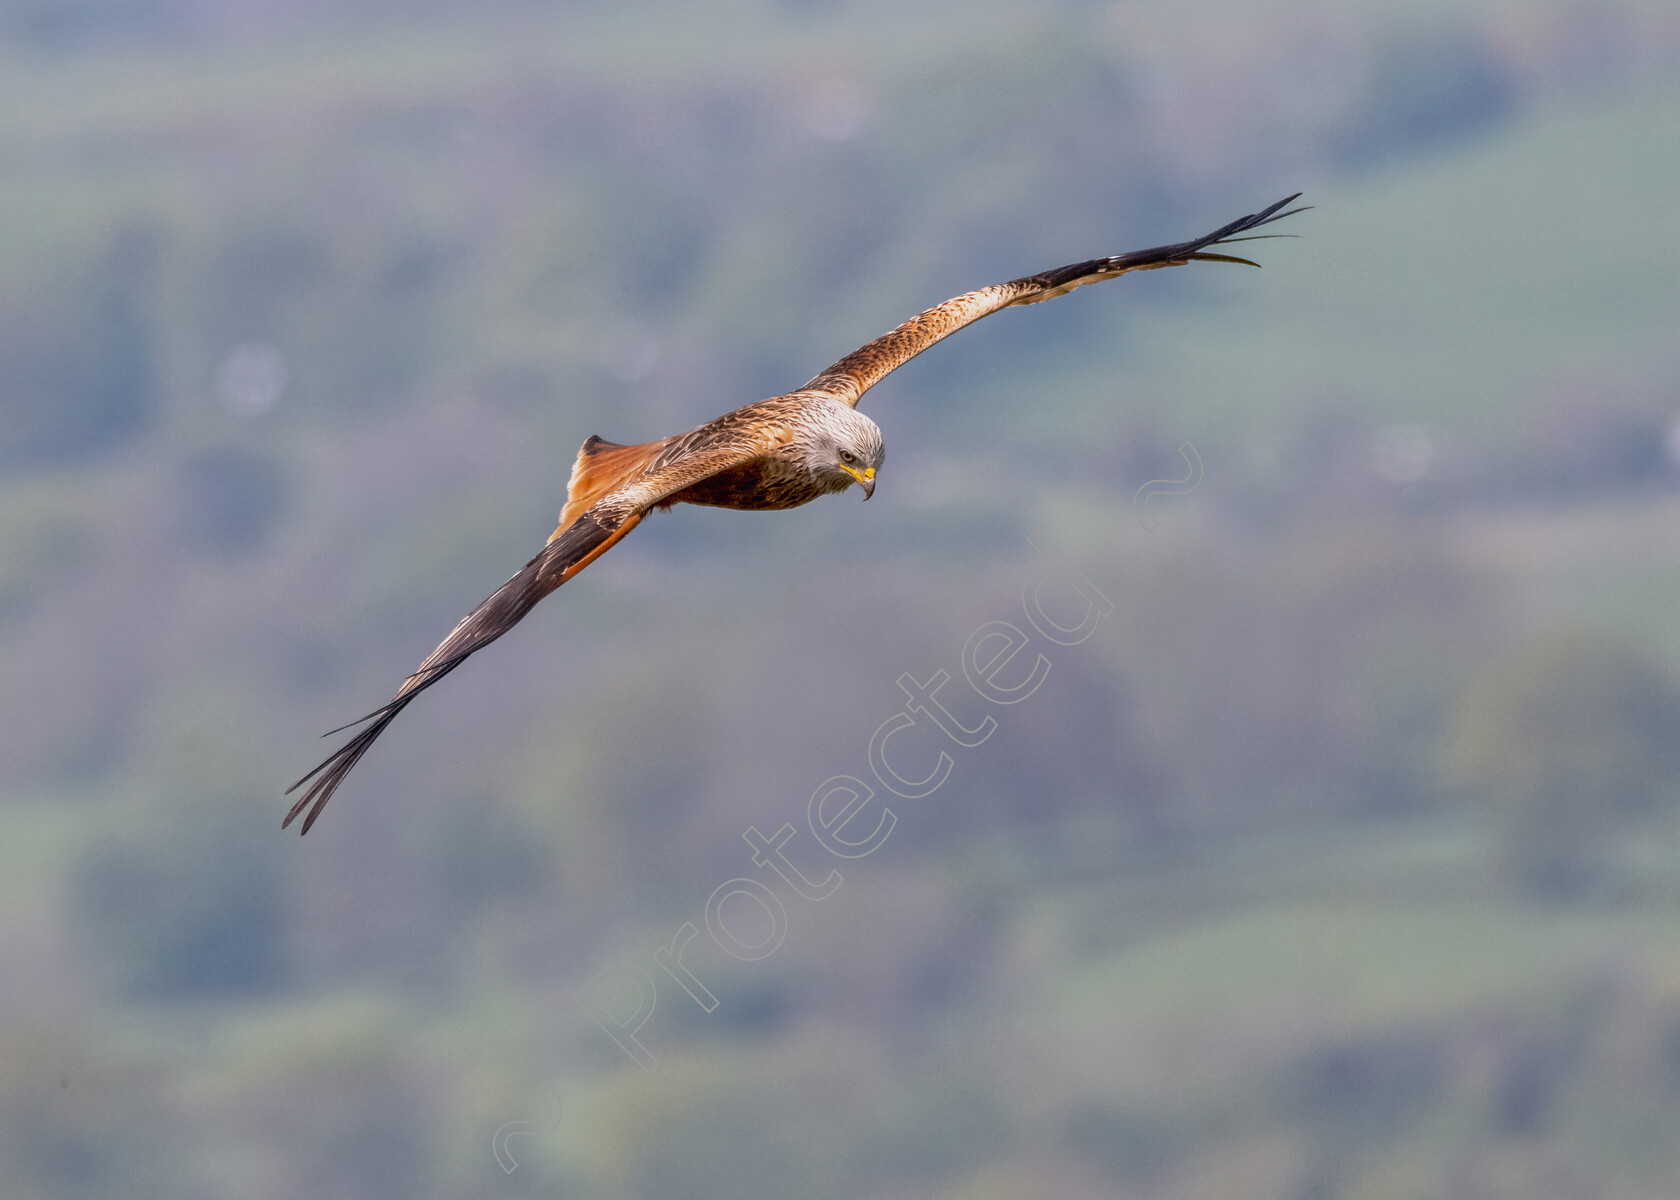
{"x":865,"y":478}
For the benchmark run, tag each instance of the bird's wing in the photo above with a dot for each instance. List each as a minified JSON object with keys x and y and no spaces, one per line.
{"x":669,"y":467}
{"x":602,"y":467}
{"x":863,"y":368}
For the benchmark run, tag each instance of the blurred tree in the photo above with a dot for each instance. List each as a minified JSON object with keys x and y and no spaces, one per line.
{"x":1567,"y":741}
{"x":1366,"y":1089}
{"x":184,"y":897}
{"x":1426,"y":88}
{"x":62,"y":24}
{"x":78,"y":366}
{"x":262,"y":267}
{"x":1594,"y":439}
{"x":482,"y":853}
{"x":1135,"y":1147}
{"x":192,"y":906}
{"x":1306,"y":680}
{"x":228,"y":502}
{"x":45,"y":540}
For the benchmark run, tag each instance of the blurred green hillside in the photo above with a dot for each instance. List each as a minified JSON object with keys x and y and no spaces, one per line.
{"x":1342,"y":860}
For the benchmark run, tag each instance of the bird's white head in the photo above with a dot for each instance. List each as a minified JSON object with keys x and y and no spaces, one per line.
{"x":845,"y":448}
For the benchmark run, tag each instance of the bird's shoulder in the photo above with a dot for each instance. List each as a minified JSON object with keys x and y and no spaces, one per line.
{"x":762,"y":427}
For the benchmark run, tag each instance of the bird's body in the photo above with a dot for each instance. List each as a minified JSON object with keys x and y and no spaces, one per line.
{"x":777,"y":480}
{"x":771,"y":454}
{"x":800,"y":464}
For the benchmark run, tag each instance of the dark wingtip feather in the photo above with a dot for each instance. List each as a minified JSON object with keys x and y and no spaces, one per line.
{"x":331,"y":773}
{"x":1201,"y":256}
{"x":1182,"y":252}
{"x":494,"y":617}
{"x":378,"y":712}
{"x":426,"y":676}
{"x":1267,"y":215}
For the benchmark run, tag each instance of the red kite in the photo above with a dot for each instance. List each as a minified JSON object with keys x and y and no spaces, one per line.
{"x":776,"y":453}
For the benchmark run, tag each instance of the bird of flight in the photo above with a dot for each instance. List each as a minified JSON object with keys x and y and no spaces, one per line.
{"x":776,"y":453}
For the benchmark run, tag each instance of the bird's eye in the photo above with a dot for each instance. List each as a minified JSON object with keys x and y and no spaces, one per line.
{"x":846,"y":456}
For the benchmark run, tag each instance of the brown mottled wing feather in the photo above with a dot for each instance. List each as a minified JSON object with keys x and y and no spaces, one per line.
{"x":717,"y":446}
{"x":863,"y":368}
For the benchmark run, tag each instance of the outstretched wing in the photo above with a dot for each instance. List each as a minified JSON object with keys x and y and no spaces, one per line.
{"x":678,"y":463}
{"x":863,"y":368}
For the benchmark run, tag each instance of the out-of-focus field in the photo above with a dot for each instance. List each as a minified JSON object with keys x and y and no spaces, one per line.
{"x":1342,"y":859}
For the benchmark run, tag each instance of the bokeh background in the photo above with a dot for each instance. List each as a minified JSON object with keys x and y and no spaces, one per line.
{"x":1341,"y":860}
